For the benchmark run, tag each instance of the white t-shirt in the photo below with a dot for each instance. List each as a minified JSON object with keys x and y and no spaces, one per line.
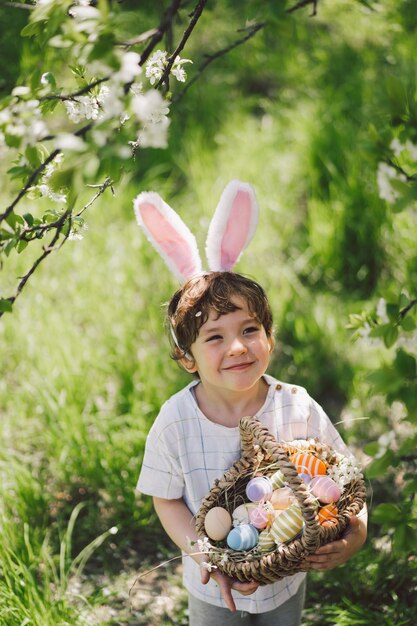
{"x":186,"y":452}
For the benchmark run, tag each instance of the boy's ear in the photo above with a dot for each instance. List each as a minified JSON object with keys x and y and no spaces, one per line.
{"x":271,"y":342}
{"x":188,"y":364}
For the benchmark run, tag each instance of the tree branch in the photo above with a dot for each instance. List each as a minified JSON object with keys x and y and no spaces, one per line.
{"x":46,"y":251}
{"x":304,"y":3}
{"x":408,"y":308}
{"x":195,"y":16}
{"x":252,"y":30}
{"x":32,"y":178}
{"x":164,"y":25}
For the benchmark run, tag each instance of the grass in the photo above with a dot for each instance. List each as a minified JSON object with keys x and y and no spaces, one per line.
{"x":85,"y":367}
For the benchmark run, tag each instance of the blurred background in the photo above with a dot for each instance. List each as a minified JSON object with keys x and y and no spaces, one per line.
{"x":305,"y":111}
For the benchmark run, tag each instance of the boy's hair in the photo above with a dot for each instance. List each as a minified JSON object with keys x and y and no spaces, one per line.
{"x":190,"y":306}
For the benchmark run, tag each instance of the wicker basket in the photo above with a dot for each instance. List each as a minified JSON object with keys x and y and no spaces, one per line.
{"x":262,"y":454}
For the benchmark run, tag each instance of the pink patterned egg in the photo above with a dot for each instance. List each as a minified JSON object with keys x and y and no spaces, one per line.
{"x":325,"y":489}
{"x":258,"y":489}
{"x":260,"y":517}
{"x":309,"y":464}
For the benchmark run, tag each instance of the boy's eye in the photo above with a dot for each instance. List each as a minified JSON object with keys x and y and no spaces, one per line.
{"x":213,"y":338}
{"x":251,"y":329}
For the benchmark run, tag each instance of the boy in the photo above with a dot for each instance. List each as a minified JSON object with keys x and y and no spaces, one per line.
{"x":221,"y":326}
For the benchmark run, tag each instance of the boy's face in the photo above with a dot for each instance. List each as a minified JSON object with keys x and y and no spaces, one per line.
{"x":231,"y":351}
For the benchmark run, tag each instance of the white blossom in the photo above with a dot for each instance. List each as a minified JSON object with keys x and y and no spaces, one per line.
{"x":177,"y":69}
{"x":386,"y":174}
{"x":345,"y":471}
{"x":129,"y":67}
{"x":155,"y":66}
{"x":68,"y":141}
{"x":21,"y":90}
{"x":154,"y":134}
{"x":397,"y":147}
{"x":203,"y":545}
{"x":208,"y":566}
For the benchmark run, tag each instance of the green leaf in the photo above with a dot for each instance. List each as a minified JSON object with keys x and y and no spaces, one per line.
{"x":13,"y":219}
{"x":387,"y":514}
{"x":21,"y":245}
{"x":6,"y":306}
{"x":405,"y":364}
{"x":371,"y":448}
{"x":379,"y":466}
{"x":404,"y":301}
{"x":33,"y":28}
{"x":390,"y":336}
{"x":28,"y":218}
{"x":408,"y":323}
{"x":393,"y":310}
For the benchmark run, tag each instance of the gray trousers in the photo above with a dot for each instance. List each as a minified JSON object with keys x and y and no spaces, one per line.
{"x":288,"y":614}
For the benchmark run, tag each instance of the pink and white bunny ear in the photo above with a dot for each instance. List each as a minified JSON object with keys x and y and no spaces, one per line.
{"x":232,"y":227}
{"x":166,"y":231}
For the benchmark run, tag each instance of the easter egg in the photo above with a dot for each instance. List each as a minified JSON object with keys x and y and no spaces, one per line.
{"x":260,"y":517}
{"x":309,"y":464}
{"x":277,"y":479}
{"x":259,"y":488}
{"x":282,"y":498}
{"x":328,"y":515}
{"x":325,"y":489}
{"x":266,"y":541}
{"x":287,"y":525}
{"x":306,"y":478}
{"x":243,"y":537}
{"x":217,"y":523}
{"x":241,"y":513}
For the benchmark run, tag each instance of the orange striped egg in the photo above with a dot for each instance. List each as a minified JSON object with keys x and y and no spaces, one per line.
{"x":266,"y":541}
{"x":287,"y":524}
{"x":328,"y":515}
{"x":325,"y":489}
{"x":306,"y":463}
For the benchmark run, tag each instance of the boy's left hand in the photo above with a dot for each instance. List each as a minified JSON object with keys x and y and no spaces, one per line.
{"x":338,"y":552}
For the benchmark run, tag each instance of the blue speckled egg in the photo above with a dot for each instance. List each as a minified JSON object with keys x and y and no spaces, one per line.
{"x":243,"y":537}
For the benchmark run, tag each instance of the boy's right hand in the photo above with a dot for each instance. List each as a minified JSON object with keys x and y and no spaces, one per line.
{"x":226,"y":584}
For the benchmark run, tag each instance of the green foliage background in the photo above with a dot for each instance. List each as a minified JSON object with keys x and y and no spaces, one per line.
{"x":304,"y":111}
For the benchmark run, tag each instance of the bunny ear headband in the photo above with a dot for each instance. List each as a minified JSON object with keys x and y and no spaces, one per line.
{"x":231,"y":229}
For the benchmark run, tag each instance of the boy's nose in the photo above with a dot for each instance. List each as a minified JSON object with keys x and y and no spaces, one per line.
{"x":237,"y":346}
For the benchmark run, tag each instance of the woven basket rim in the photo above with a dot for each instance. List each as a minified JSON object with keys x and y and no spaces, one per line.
{"x":260,"y":446}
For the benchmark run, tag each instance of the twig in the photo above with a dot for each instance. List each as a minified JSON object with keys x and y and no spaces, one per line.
{"x":41,"y":228}
{"x":304,"y":3}
{"x":165,"y":23}
{"x":20,"y":5}
{"x":32,"y":178}
{"x":46,"y":251}
{"x":212,"y":57}
{"x":80,"y":92}
{"x":409,"y":306}
{"x":195,"y":16}
{"x":102,"y":188}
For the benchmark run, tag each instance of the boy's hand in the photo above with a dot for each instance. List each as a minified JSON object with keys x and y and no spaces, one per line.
{"x":226,"y":584}
{"x":338,"y":552}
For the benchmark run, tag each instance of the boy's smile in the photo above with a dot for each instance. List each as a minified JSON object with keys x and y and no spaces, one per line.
{"x":231,"y":352}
